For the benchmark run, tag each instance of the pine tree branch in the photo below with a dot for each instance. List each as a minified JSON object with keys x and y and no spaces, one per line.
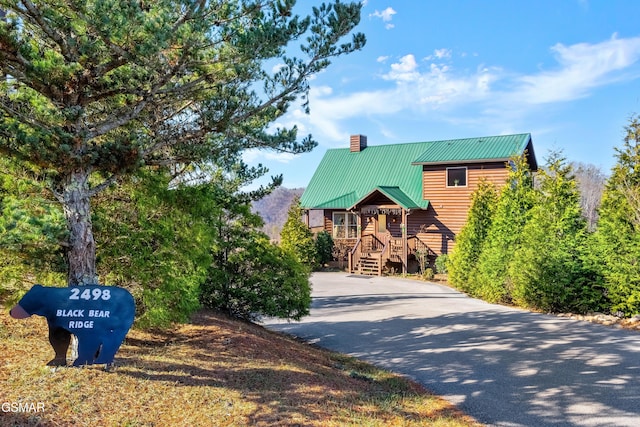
{"x":36,"y":18}
{"x":104,"y":185}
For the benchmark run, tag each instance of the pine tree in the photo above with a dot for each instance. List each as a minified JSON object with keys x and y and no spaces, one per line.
{"x":251,"y":277}
{"x":156,"y":242}
{"x":32,"y":228}
{"x":490,"y":280}
{"x":324,"y":247}
{"x":617,"y":239}
{"x":97,"y":90}
{"x":469,"y":241}
{"x":296,"y":238}
{"x":547,"y":270}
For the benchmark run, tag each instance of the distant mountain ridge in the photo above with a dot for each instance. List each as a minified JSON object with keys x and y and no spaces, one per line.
{"x":273,"y":209}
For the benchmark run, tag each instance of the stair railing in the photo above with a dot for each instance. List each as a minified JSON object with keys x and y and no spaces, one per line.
{"x":354,"y":255}
{"x":384,"y":255}
{"x":416,"y":244}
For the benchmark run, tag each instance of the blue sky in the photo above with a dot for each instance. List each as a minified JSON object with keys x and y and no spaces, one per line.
{"x":566,"y":71}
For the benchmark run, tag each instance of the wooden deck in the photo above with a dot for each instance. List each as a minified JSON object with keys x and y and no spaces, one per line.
{"x":369,"y":254}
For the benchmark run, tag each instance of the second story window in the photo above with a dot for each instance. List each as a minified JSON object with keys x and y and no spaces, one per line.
{"x":457,"y":177}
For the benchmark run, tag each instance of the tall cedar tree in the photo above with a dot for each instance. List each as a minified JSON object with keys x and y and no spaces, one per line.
{"x":296,"y":238}
{"x":547,"y":270}
{"x":617,"y":239}
{"x":490,"y":280}
{"x":469,"y":242}
{"x":95,"y":90}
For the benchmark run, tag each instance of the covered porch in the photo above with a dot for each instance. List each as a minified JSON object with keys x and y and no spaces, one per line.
{"x":381,"y":239}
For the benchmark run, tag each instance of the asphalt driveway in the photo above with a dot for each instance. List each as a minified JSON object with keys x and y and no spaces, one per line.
{"x":504,"y":366}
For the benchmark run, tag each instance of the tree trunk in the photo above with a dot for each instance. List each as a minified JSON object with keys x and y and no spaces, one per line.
{"x":81,"y":254}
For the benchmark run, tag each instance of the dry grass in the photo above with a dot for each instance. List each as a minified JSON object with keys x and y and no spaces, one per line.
{"x":213,"y":372}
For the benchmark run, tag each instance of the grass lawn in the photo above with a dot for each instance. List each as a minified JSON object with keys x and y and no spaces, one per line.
{"x":212,"y":372}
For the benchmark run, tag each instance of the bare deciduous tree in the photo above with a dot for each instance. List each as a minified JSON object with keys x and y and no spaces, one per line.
{"x":591,"y":181}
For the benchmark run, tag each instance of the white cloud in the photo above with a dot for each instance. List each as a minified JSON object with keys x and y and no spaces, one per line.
{"x":440,"y":54}
{"x":277,"y":67}
{"x":328,"y":113}
{"x":382,"y":59}
{"x":254,"y":156}
{"x":486,"y":94}
{"x":582,"y":67}
{"x":439,"y":85}
{"x":405,"y":70}
{"x":386,"y":16}
{"x":412,"y":90}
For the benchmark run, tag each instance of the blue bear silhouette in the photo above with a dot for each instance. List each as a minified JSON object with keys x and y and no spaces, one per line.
{"x":99,"y":317}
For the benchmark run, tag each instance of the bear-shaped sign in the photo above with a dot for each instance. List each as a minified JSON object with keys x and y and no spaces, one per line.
{"x":99,"y":317}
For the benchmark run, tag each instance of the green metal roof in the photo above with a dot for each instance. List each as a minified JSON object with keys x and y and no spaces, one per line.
{"x":394,"y":194}
{"x":344,"y":178}
{"x":473,"y":149}
{"x":345,"y":200}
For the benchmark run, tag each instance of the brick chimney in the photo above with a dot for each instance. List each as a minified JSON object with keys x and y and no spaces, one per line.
{"x":358,"y":143}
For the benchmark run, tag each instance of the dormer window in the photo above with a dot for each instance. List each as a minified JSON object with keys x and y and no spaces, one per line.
{"x":457,"y":177}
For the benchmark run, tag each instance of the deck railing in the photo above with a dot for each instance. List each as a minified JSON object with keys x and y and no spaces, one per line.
{"x":342,"y":250}
{"x":416,"y":244}
{"x":391,"y":249}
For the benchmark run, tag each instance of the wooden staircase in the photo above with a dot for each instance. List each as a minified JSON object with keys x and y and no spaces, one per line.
{"x":369,"y":254}
{"x":369,"y":266}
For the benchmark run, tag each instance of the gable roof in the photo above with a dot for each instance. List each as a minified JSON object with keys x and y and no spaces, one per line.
{"x":488,"y":148}
{"x":344,"y":178}
{"x":395,"y":194}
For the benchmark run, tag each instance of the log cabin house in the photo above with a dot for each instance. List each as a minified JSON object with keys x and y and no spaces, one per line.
{"x":387,"y":205}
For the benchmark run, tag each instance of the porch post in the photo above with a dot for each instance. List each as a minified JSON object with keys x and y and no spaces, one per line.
{"x":403,"y":226}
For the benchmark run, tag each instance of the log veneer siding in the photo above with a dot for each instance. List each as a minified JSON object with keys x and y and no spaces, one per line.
{"x":449,"y":206}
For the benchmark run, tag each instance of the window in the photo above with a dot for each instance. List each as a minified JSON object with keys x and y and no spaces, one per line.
{"x":345,"y":225}
{"x":457,"y":177}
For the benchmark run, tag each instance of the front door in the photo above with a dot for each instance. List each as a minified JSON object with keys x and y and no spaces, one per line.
{"x":381,"y":227}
